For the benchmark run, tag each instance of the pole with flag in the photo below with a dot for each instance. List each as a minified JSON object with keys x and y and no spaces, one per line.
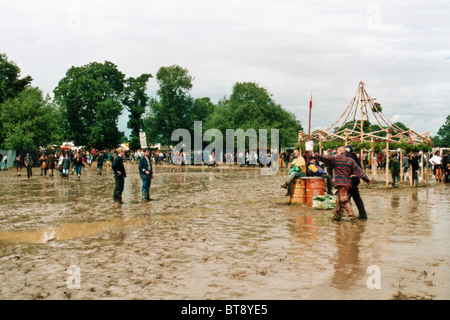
{"x":309,"y":132}
{"x":309,"y":129}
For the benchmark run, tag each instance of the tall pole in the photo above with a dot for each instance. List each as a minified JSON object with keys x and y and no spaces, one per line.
{"x":387,"y":164}
{"x":421,"y":168}
{"x":372,"y":166}
{"x":309,"y":130}
{"x":401,"y":165}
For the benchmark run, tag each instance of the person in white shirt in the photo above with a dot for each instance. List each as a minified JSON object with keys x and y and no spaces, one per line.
{"x":5,"y":162}
{"x":436,"y":161}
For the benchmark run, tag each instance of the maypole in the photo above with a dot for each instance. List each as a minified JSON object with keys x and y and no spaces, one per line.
{"x":309,"y":131}
{"x":389,"y":133}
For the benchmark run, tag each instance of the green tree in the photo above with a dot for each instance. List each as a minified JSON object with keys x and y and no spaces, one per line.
{"x":443,"y":135}
{"x":135,"y":100}
{"x":89,"y":98}
{"x":10,"y":82}
{"x":401,"y":126}
{"x":174,"y":106}
{"x":252,"y":107}
{"x":30,"y":121}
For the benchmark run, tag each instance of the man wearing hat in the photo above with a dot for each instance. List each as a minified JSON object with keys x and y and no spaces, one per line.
{"x":354,"y":191}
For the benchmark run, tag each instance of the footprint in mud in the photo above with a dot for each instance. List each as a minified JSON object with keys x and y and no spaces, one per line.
{"x":240,"y":274}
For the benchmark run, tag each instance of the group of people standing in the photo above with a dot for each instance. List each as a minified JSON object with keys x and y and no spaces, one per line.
{"x":347,"y":173}
{"x":439,"y":164}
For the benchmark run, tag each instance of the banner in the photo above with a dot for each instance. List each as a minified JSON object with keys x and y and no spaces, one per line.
{"x":143,"y":140}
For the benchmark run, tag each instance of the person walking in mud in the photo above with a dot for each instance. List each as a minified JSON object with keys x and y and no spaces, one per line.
{"x":29,"y":164}
{"x":436,"y":161}
{"x":146,"y":174}
{"x":71,"y":157}
{"x":100,"y":161}
{"x":394,"y":168}
{"x":354,"y":191}
{"x":344,"y":168}
{"x":19,"y":164}
{"x":296,"y":169}
{"x":445,"y":165}
{"x":51,"y":164}
{"x":405,"y":165}
{"x":414,"y":164}
{"x":43,"y":164}
{"x":5,"y":162}
{"x":65,"y":165}
{"x":119,"y":175}
{"x":78,"y":164}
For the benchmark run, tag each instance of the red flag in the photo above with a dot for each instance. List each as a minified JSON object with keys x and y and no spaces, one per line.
{"x":310,"y":107}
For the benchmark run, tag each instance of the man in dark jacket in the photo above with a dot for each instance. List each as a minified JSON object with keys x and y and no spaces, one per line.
{"x":100,"y":160}
{"x":354,"y":191}
{"x":29,"y":164}
{"x":146,"y":174}
{"x":445,"y":161}
{"x":414,"y":162}
{"x":119,"y":175}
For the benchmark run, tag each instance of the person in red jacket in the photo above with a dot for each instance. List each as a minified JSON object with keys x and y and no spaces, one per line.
{"x":344,"y":168}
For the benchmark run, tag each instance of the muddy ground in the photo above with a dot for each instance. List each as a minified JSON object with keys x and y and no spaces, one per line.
{"x":216,"y":233}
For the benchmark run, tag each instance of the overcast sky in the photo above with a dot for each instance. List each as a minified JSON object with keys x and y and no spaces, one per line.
{"x":400,"y":49}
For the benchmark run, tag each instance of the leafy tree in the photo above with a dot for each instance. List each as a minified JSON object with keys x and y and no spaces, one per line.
{"x":443,"y":135}
{"x":252,"y":107}
{"x":351,"y":124}
{"x":401,"y":126}
{"x":30,"y":121}
{"x":135,"y":101}
{"x":10,"y":82}
{"x":201,"y":110}
{"x":89,"y":98}
{"x":174,"y":108}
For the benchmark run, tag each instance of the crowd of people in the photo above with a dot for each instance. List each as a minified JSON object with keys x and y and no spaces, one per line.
{"x":343,"y":170}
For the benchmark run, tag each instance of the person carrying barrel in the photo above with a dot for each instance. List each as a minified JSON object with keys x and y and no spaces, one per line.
{"x":344,"y":168}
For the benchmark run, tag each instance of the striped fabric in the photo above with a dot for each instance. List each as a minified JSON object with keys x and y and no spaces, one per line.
{"x":344,"y":168}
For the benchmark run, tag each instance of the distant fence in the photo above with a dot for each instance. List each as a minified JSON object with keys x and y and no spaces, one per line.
{"x":10,"y":156}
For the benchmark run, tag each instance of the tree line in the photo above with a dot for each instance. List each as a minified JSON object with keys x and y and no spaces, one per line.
{"x":89,"y":99}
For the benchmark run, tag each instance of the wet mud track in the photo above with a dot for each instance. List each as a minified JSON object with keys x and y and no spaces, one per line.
{"x":215,"y":233}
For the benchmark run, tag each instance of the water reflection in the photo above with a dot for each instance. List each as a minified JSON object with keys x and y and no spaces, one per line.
{"x":348,"y":269}
{"x":305,"y":227}
{"x":117,"y":225}
{"x":395,"y":200}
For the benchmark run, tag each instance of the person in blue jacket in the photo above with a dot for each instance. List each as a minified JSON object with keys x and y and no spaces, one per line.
{"x":146,"y":174}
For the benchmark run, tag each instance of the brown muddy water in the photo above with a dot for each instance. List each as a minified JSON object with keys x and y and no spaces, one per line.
{"x":216,"y":233}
